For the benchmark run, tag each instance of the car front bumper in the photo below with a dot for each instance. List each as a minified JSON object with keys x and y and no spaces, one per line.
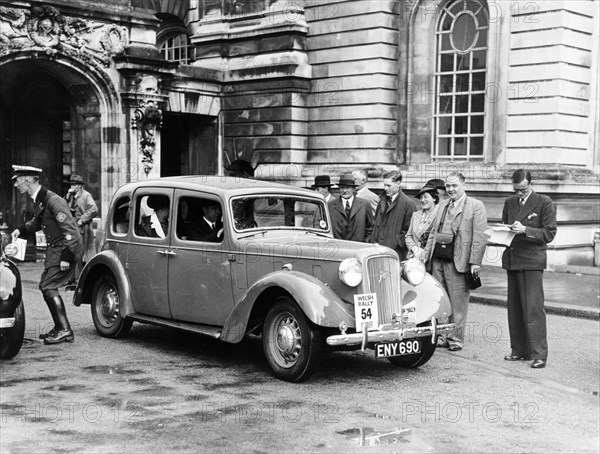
{"x":390,"y":333}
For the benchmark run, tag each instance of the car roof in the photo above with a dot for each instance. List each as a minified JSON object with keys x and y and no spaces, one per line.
{"x":222,"y":185}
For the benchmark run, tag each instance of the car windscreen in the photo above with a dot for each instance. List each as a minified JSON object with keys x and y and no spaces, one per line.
{"x":280,"y":211}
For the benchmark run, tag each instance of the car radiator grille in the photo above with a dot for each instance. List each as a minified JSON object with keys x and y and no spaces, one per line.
{"x":383,"y":279}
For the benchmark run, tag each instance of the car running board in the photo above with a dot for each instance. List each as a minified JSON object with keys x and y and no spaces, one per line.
{"x":206,"y":330}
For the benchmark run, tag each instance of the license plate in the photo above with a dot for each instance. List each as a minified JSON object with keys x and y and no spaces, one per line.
{"x":398,"y":348}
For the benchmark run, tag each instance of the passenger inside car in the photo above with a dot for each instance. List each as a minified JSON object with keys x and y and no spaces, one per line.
{"x":210,"y":227}
{"x":156,"y":225}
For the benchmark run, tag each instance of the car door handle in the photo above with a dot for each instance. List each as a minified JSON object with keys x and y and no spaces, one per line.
{"x":162,"y":252}
{"x":231,"y":257}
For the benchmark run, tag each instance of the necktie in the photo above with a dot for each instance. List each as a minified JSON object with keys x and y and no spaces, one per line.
{"x":348,"y":208}
{"x":212,"y":225}
{"x":522,"y":202}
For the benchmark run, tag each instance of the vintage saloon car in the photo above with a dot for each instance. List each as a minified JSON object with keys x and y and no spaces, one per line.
{"x":240,"y":256}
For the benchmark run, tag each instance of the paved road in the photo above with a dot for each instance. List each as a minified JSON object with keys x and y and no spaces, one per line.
{"x":164,"y":391}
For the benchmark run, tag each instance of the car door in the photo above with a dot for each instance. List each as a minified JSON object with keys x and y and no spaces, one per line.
{"x":148,"y":257}
{"x":199,"y":272}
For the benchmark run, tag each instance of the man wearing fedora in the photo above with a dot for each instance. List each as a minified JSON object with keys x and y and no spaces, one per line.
{"x":83,"y":208}
{"x":322,"y":186}
{"x":351,"y":217}
{"x":52,"y":215}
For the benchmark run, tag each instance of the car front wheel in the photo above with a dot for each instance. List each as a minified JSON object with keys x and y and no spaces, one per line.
{"x":11,"y":338}
{"x":106,"y":309}
{"x":291,"y":344}
{"x":418,"y":359}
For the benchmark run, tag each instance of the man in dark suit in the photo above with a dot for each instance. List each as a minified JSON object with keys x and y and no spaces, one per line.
{"x":463,"y":220}
{"x":532,"y":217}
{"x":210,"y":227}
{"x":351,"y":217}
{"x":393,"y":215}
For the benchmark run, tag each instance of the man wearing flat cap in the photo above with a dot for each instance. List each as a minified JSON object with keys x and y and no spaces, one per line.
{"x":240,"y":168}
{"x":52,"y":215}
{"x":351,"y":217}
{"x":322,"y":186}
{"x":83,"y":208}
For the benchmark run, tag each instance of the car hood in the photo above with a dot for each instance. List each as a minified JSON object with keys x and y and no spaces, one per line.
{"x":308,"y":245}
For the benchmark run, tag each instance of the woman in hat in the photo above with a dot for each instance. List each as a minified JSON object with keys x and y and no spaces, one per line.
{"x":421,"y":221}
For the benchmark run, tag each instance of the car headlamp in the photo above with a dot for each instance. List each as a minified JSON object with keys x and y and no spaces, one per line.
{"x":414,"y":271}
{"x":351,"y":272}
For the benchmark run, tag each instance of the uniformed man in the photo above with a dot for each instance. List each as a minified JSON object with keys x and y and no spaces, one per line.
{"x":65,"y":246}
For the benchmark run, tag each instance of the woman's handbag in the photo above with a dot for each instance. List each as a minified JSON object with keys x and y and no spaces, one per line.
{"x":444,"y":242}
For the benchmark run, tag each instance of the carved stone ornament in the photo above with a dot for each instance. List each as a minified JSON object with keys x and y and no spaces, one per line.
{"x":45,"y":28}
{"x":147,"y":119}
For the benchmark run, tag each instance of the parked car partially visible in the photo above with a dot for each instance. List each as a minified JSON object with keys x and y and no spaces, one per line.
{"x":270,"y":266}
{"x":12,"y":311}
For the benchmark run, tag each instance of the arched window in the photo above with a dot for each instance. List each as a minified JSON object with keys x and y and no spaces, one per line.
{"x":460,"y":80}
{"x":175,"y":48}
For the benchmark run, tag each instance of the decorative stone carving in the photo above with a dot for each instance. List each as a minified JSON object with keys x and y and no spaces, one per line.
{"x":45,"y":28}
{"x":147,"y":117}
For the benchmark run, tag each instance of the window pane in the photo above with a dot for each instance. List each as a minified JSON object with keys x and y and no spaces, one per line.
{"x":445,"y":104}
{"x":482,"y":39}
{"x":460,"y":125}
{"x":446,"y":84}
{"x":462,"y":62}
{"x":476,"y":146}
{"x":478,"y":82}
{"x":460,"y":146}
{"x":477,"y":124}
{"x":445,"y":125}
{"x":462,"y":82}
{"x":446,"y":42}
{"x":462,"y":104}
{"x":443,"y":146}
{"x":478,"y":103}
{"x":479,"y":57}
{"x":447,"y":63}
{"x":464,"y":33}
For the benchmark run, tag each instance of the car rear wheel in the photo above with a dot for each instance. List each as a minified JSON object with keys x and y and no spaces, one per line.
{"x":11,"y":339}
{"x":418,"y":359}
{"x":106,"y":309}
{"x":292,"y":345}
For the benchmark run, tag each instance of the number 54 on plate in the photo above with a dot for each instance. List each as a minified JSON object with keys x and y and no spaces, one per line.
{"x":365,"y":311}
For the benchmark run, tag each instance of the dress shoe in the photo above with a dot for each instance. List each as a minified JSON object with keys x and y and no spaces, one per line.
{"x":442,"y":344}
{"x":66,"y":335}
{"x":52,"y":332}
{"x":538,"y":363}
{"x":515,"y":358}
{"x":454,"y":347}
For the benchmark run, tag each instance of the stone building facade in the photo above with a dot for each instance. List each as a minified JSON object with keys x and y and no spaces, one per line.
{"x":125,"y":90}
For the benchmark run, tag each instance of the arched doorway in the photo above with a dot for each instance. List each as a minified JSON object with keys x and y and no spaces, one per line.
{"x":51,"y":117}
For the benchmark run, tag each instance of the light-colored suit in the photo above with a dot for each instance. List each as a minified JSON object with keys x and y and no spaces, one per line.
{"x":468,"y":226}
{"x":369,"y":196}
{"x":524,"y":261}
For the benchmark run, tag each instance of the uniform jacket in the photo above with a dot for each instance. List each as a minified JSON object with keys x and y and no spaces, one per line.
{"x":469,"y":227}
{"x":538,"y":215}
{"x":369,"y":196}
{"x":356,"y":228}
{"x":53,"y":217}
{"x":391,"y":223}
{"x":84,"y":208}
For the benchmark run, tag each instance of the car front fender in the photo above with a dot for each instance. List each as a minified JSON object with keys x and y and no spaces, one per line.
{"x":103,"y":263}
{"x":318,"y":302}
{"x":429,"y":298}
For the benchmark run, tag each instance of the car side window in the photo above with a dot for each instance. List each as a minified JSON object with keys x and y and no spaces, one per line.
{"x":152,"y":216}
{"x":120,"y":221}
{"x":199,"y":219}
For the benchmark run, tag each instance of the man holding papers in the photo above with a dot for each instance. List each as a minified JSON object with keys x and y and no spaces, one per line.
{"x":532,"y":218}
